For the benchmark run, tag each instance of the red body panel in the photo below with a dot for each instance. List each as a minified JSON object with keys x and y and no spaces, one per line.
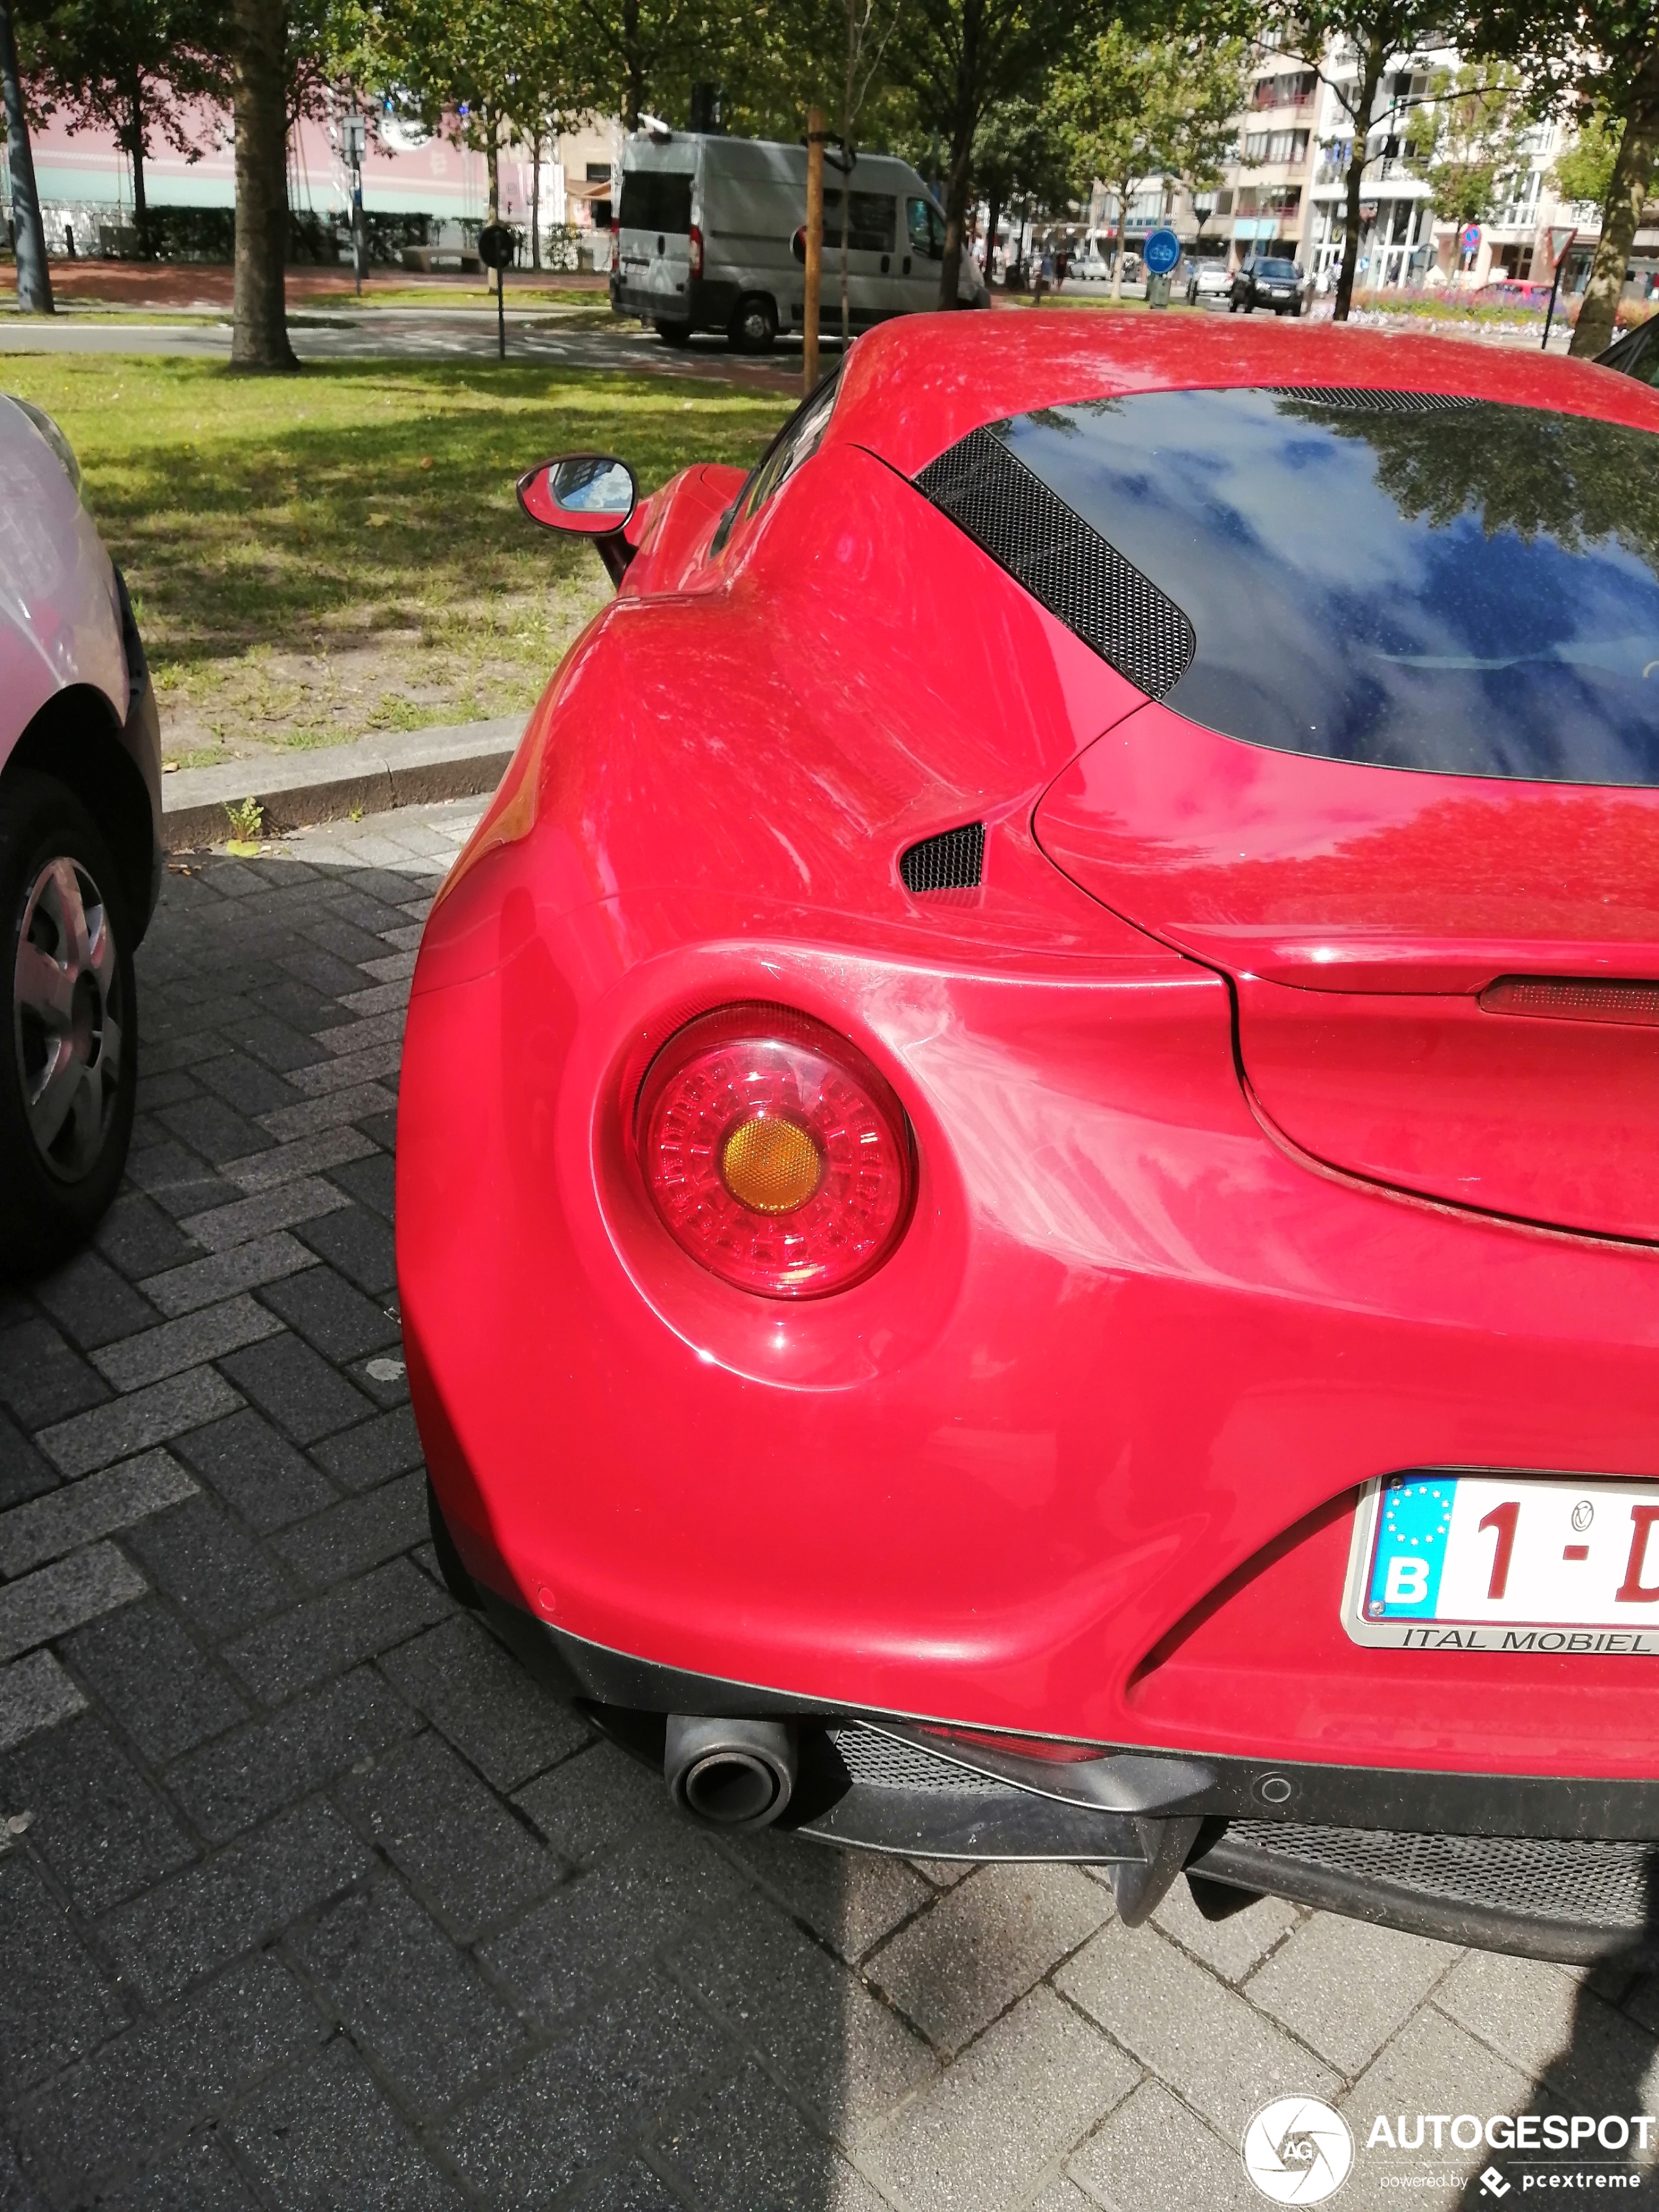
{"x":1077,"y":1460}
{"x":917,"y":384}
{"x":1360,"y":910}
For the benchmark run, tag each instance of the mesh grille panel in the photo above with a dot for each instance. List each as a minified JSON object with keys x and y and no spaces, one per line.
{"x":1062,"y":561}
{"x":1595,"y":1885}
{"x":1592,"y":1000}
{"x":1358,"y":401}
{"x":951,"y":862}
{"x":878,"y":1760}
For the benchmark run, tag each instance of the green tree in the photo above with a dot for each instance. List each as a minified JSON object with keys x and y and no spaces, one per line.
{"x":1592,"y":59}
{"x":124,"y":66}
{"x":1469,"y":140}
{"x":1021,"y":164}
{"x":1136,"y":108}
{"x":956,"y":57}
{"x":641,"y":57}
{"x":1349,"y":44}
{"x":1582,"y":170}
{"x":479,"y":72}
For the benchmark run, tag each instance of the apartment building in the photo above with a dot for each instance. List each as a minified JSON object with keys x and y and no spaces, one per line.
{"x":1286,"y":189}
{"x":1285,"y":192}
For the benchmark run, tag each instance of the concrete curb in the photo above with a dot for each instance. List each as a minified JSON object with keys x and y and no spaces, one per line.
{"x":411,"y":767}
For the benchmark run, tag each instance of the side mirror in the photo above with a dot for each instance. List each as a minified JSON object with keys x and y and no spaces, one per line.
{"x":592,"y":494}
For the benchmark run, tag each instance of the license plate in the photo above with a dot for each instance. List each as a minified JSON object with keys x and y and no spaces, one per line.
{"x":1446,"y":1559}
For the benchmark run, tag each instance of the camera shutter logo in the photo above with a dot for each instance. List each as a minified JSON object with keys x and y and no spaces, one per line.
{"x":1298,"y":2151}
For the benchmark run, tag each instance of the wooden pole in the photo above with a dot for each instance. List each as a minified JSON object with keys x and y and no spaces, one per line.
{"x":814,"y":247}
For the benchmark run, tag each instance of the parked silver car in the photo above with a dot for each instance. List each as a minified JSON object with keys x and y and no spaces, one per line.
{"x":80,"y":848}
{"x":1207,"y":281}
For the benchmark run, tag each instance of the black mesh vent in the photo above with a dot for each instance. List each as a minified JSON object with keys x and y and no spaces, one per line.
{"x":949,"y":862}
{"x":1596,"y":1885}
{"x":1359,"y":402}
{"x":880,"y":1762}
{"x":1061,"y":560}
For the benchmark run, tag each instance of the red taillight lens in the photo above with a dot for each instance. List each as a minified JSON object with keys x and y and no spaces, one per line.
{"x":776,"y":1155}
{"x":696,"y":250}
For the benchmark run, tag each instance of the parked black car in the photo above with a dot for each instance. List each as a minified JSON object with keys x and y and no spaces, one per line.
{"x":1261,"y":283}
{"x":1636,"y":352}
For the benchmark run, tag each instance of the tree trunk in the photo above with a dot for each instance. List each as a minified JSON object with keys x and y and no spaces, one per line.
{"x":492,"y":128}
{"x":994,"y":212}
{"x":1371,"y":77}
{"x":1124,"y":183}
{"x":131,"y":138}
{"x":1627,"y":194}
{"x":33,"y":279}
{"x":956,"y":211}
{"x":260,"y":105}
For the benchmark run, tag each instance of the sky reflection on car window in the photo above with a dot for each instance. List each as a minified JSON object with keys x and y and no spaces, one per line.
{"x":1472,"y":588}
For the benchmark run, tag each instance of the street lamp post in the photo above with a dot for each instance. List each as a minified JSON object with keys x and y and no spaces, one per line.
{"x":354,"y":138}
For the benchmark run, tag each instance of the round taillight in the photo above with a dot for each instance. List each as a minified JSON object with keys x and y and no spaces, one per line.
{"x":776,"y":1154}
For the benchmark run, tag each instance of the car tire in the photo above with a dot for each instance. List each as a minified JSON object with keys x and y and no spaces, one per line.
{"x":70,"y":1005}
{"x":674,"y":334}
{"x":754,"y":325}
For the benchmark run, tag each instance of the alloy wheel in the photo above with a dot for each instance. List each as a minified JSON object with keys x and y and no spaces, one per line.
{"x":66,"y":1017}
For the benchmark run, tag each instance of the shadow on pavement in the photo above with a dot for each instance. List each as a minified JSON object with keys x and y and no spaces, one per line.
{"x":319,"y":1900}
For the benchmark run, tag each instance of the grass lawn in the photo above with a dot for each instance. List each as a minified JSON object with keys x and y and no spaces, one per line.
{"x":317,"y":556}
{"x":523,"y":289}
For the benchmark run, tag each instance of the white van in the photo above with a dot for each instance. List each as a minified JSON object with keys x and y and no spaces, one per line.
{"x":712,"y":231}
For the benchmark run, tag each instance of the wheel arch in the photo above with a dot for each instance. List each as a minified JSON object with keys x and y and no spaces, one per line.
{"x":75,"y":739}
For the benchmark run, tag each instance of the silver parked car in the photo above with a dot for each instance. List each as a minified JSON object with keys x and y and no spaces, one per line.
{"x":80,"y":848}
{"x":1207,"y":280}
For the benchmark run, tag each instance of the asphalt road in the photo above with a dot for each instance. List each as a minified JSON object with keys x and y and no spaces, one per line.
{"x":412,"y":334}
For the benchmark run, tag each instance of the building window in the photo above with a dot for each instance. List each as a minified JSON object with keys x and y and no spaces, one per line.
{"x":1275,"y":146}
{"x":1280,"y":200}
{"x":1283,"y":91}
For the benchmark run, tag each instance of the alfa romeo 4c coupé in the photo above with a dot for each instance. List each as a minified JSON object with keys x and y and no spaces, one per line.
{"x":1028,"y":1167}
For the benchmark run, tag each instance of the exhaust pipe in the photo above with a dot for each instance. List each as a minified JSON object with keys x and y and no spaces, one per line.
{"x":733,"y":1774}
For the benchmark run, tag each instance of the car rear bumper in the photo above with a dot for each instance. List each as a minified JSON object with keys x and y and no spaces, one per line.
{"x":1083,"y":1459}
{"x":705,"y":304}
{"x":1556,"y":1868}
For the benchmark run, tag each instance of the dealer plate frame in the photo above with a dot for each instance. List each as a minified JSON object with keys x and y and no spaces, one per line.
{"x":1509,"y":1639}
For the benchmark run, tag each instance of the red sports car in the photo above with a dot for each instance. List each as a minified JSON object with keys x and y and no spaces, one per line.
{"x":1027,"y":1181}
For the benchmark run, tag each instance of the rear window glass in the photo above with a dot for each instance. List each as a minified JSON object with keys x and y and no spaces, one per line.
{"x":1418,"y":582}
{"x":656,"y":199}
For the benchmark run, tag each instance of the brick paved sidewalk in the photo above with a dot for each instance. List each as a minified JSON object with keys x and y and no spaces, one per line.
{"x":308,"y":1899}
